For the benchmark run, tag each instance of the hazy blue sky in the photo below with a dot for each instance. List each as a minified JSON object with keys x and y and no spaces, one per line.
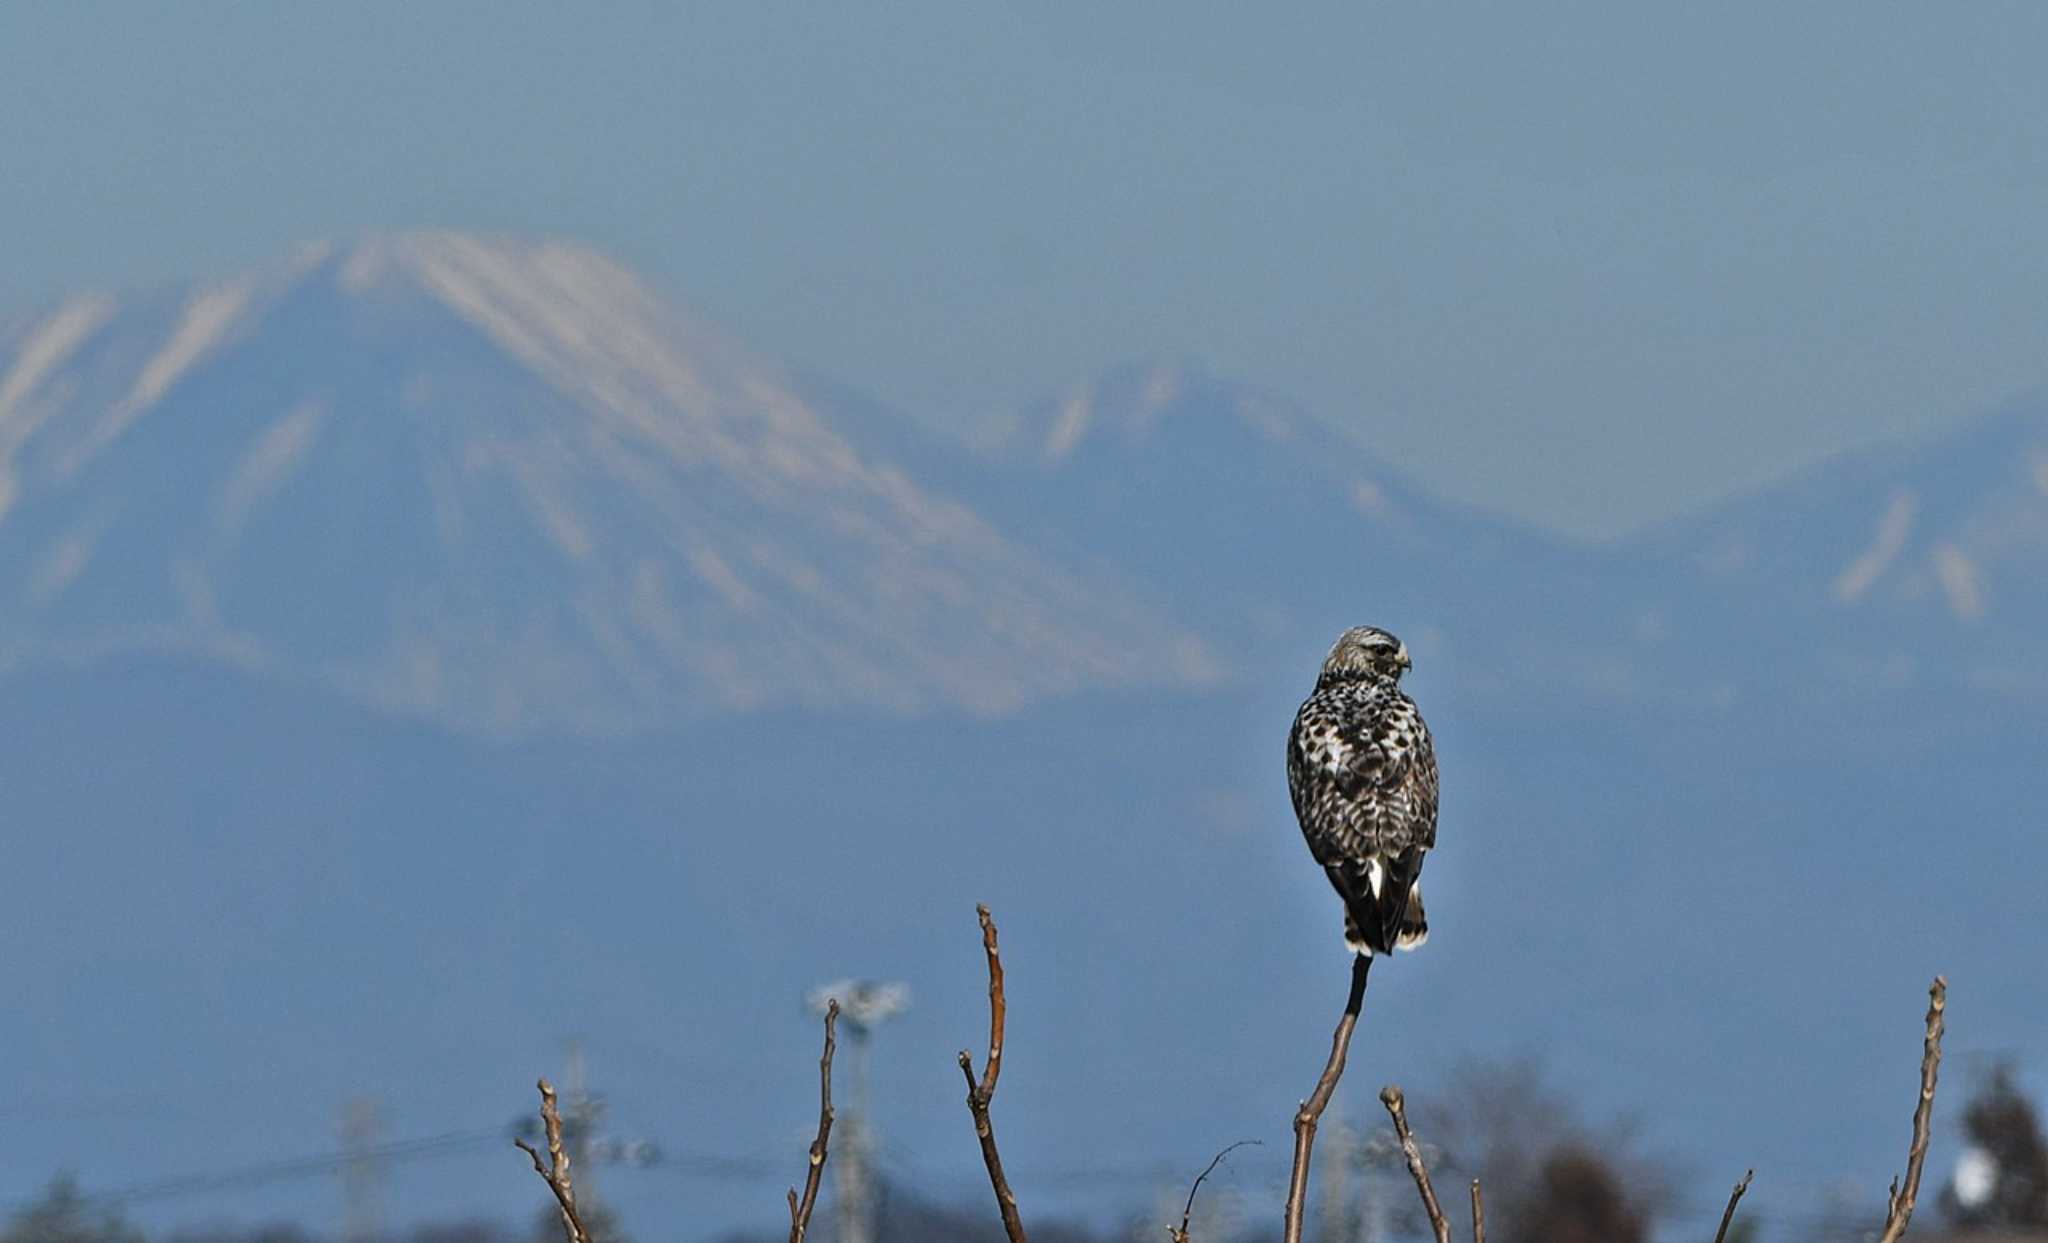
{"x":1585,"y":261}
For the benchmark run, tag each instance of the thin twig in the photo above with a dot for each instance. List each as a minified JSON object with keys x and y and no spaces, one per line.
{"x":1311,"y":1111}
{"x":1479,"y":1215}
{"x":800,"y":1210}
{"x":556,"y":1171}
{"x":1728,"y":1214}
{"x":980,"y":1094}
{"x":1181,"y":1235}
{"x":1397,"y":1109}
{"x":1899,"y":1202}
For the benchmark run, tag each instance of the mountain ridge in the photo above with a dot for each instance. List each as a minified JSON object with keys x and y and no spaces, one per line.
{"x":717,"y":540}
{"x":579,"y":507}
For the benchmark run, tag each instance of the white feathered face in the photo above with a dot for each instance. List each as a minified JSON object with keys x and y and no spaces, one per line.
{"x":1367,"y":651}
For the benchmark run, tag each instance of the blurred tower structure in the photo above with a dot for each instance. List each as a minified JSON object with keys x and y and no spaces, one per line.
{"x":863,"y":1006}
{"x":1340,"y":1221}
{"x":1382,"y":1171}
{"x":581,"y":1111}
{"x":362,"y":1172}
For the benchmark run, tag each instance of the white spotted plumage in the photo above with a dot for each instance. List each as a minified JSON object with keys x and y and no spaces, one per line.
{"x":1361,"y":768}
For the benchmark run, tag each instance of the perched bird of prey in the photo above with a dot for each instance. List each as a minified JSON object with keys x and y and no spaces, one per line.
{"x":1362,"y":771}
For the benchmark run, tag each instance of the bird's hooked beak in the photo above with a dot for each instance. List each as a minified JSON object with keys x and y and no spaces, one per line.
{"x":1401,"y":658}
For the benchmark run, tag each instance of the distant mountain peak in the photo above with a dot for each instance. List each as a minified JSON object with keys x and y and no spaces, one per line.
{"x":1107,"y":401}
{"x":508,"y":485}
{"x":1130,"y":405}
{"x":1910,"y":566}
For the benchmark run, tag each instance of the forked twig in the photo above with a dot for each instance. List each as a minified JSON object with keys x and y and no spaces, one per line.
{"x":1397,"y":1109}
{"x":1311,"y":1111}
{"x":1899,"y":1201}
{"x":1728,"y":1214}
{"x":800,"y":1210}
{"x":556,"y":1171}
{"x":1180,"y":1235}
{"x":1479,"y":1215}
{"x":980,"y":1094}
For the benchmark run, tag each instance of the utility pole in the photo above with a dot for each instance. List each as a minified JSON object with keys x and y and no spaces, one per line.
{"x":579,"y":1126}
{"x":1339,"y":1163}
{"x":362,"y":1172}
{"x":1374,"y":1222}
{"x":852,"y":1207}
{"x":1380,"y":1162}
{"x":863,"y":1006}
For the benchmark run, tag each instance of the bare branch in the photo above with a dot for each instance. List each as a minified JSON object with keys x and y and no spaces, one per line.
{"x":800,"y":1210}
{"x":980,"y":1094}
{"x":1899,"y":1201}
{"x":556,"y":1171}
{"x":1181,"y":1235}
{"x":1728,"y":1214}
{"x":1397,"y":1109}
{"x":1311,"y":1111}
{"x":1479,"y":1215}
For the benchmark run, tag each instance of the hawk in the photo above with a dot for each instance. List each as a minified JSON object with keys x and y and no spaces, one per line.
{"x":1362,"y":771}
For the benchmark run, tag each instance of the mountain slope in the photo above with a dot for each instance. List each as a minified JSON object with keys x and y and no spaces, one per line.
{"x":1892,"y":572}
{"x":503,"y":485}
{"x":1862,"y":582}
{"x":506,"y":486}
{"x":1270,"y":531}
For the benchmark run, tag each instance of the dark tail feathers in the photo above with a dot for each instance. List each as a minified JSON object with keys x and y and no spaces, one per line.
{"x":1393,"y":919}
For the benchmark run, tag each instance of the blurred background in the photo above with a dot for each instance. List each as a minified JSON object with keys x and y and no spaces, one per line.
{"x":534,"y":541}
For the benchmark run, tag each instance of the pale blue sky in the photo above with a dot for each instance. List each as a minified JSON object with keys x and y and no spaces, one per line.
{"x":1588,"y":262}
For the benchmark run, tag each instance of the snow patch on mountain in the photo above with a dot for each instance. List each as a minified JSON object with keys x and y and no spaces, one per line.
{"x":47,"y":346}
{"x":267,"y":464}
{"x":206,"y":321}
{"x":1885,"y":545}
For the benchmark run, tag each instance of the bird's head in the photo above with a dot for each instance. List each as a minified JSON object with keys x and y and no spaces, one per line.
{"x":1366,"y":652}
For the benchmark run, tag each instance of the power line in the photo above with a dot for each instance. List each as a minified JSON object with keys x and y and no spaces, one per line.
{"x":289,"y":1168}
{"x":906,"y":1167}
{"x":401,"y":1152}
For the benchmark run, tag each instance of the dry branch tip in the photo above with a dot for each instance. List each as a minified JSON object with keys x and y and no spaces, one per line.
{"x":555,"y":1172}
{"x":1397,"y":1109}
{"x":980,"y":1095}
{"x":800,"y":1210}
{"x":1180,"y":1235}
{"x":1899,"y":1201}
{"x":1728,"y":1214}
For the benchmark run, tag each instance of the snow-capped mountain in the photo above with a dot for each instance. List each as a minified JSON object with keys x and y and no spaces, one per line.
{"x":508,"y":486}
{"x":1898,"y":571}
{"x":1271,"y":531}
